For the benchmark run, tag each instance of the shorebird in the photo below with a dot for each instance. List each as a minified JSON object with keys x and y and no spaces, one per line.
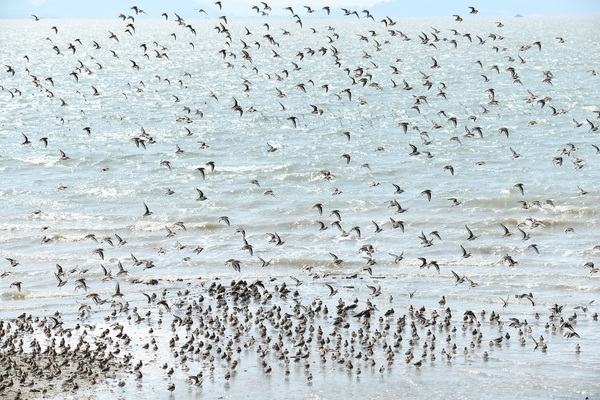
{"x":13,"y":262}
{"x":425,"y":242}
{"x":455,"y":201}
{"x":337,"y":214}
{"x":398,"y":190}
{"x":397,"y":257}
{"x":426,"y":192}
{"x":319,"y":207}
{"x":264,"y":263}
{"x":247,"y":246}
{"x":465,"y":253}
{"x":506,"y":231}
{"x":100,"y":252}
{"x":397,"y":224}
{"x":170,"y":232}
{"x":235,"y":264}
{"x":25,"y":140}
{"x":336,"y":259}
{"x":201,"y":196}
{"x":377,"y":228}
{"x":457,"y":279}
{"x":294,"y":120}
{"x":275,"y":238}
{"x":470,"y":235}
{"x":504,"y":302}
{"x":322,"y":225}
{"x":332,"y":290}
{"x":117,"y":291}
{"x":524,"y":235}
{"x":147,"y":211}
{"x":520,"y":187}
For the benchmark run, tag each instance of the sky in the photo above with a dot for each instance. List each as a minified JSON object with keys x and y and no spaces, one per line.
{"x":67,"y":9}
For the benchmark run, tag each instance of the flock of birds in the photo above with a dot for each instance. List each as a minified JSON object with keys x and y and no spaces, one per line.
{"x":208,"y":329}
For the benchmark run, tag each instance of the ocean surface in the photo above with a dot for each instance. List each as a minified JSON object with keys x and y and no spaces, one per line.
{"x":231,"y":133}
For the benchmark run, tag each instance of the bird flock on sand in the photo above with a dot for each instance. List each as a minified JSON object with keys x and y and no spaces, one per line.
{"x":190,"y":333}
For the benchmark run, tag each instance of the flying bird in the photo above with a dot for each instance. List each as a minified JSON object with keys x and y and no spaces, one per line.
{"x":147,"y":211}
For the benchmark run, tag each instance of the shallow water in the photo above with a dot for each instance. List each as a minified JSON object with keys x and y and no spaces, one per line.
{"x":107,"y":179}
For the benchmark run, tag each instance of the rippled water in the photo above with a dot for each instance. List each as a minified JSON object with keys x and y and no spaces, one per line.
{"x":184,"y":100}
